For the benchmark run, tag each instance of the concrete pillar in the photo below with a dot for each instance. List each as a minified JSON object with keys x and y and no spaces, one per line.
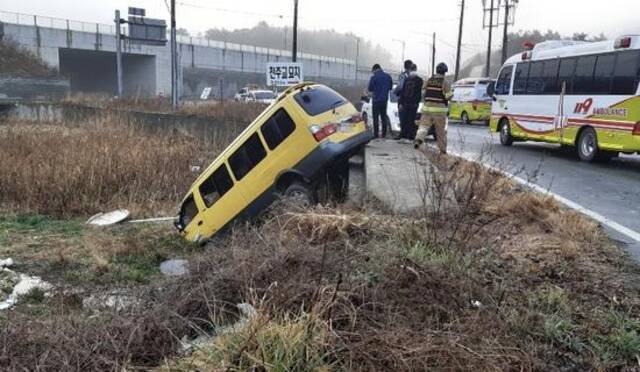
{"x":98,"y":38}
{"x":38,"y":37}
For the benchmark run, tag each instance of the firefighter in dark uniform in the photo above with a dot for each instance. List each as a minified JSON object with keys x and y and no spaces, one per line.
{"x":435,"y":110}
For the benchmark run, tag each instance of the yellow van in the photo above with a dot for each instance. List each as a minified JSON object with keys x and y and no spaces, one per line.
{"x":299,"y":145}
{"x":470,"y":101}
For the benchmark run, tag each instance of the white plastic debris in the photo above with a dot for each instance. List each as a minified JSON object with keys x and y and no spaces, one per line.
{"x":24,"y":286}
{"x":476,"y":304}
{"x":174,"y":267}
{"x":8,"y":262}
{"x":196,"y":168}
{"x":109,"y":218}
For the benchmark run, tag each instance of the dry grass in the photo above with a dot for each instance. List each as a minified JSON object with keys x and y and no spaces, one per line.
{"x":490,"y":278}
{"x":84,"y":168}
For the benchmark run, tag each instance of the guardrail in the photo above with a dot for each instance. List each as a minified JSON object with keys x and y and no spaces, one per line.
{"x":105,"y":29}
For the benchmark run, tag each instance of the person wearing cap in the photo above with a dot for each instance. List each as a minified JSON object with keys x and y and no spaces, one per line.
{"x":435,"y":110}
{"x":380,"y":85}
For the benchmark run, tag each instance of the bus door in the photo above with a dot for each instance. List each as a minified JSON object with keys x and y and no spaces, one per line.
{"x":560,"y":119}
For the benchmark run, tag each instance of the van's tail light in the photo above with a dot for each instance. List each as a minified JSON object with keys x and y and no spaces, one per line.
{"x":357,"y":118}
{"x":636,"y":129}
{"x":322,"y":132}
{"x":623,"y":42}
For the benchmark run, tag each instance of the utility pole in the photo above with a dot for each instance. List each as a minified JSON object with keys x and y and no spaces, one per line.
{"x":118,"y":22}
{"x":459,"y":41}
{"x":488,"y":67}
{"x":508,"y":8}
{"x":174,"y":59}
{"x":294,"y":54}
{"x":433,"y":55}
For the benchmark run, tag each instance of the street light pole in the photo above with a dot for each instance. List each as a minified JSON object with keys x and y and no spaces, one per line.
{"x":294,"y":54}
{"x":488,"y":67}
{"x":357,"y":57}
{"x":404,"y":44}
{"x":505,"y":35}
{"x":433,"y":55}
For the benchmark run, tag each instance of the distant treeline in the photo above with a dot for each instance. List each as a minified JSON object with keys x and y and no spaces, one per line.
{"x":516,"y":45}
{"x":323,"y":42}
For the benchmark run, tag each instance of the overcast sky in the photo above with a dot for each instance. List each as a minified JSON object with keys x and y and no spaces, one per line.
{"x":411,"y":20}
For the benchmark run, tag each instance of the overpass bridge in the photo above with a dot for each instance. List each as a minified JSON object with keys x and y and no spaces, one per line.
{"x":85,"y":53}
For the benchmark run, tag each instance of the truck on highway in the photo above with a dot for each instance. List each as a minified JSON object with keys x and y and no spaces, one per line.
{"x":578,"y":94}
{"x":298,"y":147}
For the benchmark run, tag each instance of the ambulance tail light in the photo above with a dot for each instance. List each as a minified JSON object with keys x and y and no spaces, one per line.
{"x":636,"y":129}
{"x":623,"y":42}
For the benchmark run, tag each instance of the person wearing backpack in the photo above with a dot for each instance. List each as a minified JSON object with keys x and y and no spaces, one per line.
{"x":408,"y":103}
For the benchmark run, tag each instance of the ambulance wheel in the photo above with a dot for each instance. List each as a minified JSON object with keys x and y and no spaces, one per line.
{"x":464,"y":118}
{"x":588,"y":146}
{"x":506,"y":139}
{"x":300,"y":193}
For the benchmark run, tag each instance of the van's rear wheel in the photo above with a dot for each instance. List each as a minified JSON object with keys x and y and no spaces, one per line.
{"x":300,"y":193}
{"x":464,"y":118}
{"x":506,"y":139}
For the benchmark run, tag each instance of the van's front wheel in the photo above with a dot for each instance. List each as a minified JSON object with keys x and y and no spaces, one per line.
{"x":464,"y":118}
{"x":506,"y":139}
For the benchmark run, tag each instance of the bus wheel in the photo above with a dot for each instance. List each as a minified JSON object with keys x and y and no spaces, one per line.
{"x":300,"y":193}
{"x":464,"y":117}
{"x":506,"y":139}
{"x":588,"y":145}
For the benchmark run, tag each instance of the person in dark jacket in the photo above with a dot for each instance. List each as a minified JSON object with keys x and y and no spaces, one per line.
{"x":408,"y":102}
{"x":380,"y":85}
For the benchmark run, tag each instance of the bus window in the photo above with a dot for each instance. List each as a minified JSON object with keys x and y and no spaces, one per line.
{"x":565,"y":74}
{"x":247,"y":157}
{"x":520,"y":81}
{"x":503,"y":86}
{"x":535,"y":83}
{"x":550,"y":77}
{"x":277,"y":129}
{"x":625,"y":76}
{"x":583,"y":77}
{"x":214,"y":187}
{"x":603,"y":74}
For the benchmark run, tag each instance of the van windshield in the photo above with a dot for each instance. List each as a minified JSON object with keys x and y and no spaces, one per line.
{"x":319,"y":99}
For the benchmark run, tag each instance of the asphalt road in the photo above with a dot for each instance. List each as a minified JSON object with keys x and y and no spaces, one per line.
{"x":609,"y":189}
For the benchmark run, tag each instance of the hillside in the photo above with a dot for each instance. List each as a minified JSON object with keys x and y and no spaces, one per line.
{"x":18,"y":61}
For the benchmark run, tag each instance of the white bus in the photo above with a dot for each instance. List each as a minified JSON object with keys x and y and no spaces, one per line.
{"x":572,"y":93}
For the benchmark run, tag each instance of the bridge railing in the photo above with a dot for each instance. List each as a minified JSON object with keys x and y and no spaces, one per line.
{"x":106,"y":29}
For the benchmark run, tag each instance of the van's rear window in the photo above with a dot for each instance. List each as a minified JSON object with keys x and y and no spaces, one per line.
{"x":319,"y":99}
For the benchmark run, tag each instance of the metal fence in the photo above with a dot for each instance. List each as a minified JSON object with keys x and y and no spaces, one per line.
{"x":80,"y":26}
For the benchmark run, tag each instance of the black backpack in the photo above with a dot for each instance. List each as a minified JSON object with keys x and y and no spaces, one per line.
{"x":412,"y":90}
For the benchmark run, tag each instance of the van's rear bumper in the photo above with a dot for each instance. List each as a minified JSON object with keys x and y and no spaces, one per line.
{"x":327,"y":153}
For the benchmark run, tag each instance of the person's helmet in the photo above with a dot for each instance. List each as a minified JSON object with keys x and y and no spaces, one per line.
{"x":442,"y":69}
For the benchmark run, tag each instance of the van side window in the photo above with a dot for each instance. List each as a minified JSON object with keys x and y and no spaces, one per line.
{"x":520,"y":81}
{"x":626,"y":73}
{"x":247,"y":157}
{"x":583,"y":78}
{"x":565,"y":74}
{"x":550,"y":77}
{"x":277,"y":129}
{"x":603,"y":74}
{"x":503,"y":85}
{"x":188,"y":211}
{"x":214,"y":187}
{"x":535,"y":83}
